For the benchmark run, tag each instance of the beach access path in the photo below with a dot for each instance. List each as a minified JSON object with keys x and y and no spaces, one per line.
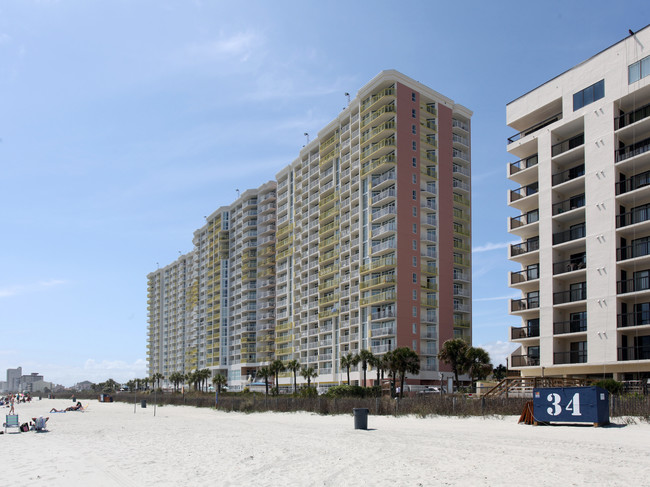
{"x":118,"y":444}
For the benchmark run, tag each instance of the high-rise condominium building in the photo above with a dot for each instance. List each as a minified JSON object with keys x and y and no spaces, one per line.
{"x":583,"y":145}
{"x":362,"y":242}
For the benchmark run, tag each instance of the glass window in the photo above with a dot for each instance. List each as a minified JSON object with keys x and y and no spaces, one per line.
{"x":414,"y":145}
{"x":589,"y":95}
{"x":415,"y":295}
{"x":634,"y":72}
{"x":413,"y":113}
{"x":415,"y":228}
{"x":415,"y":195}
{"x":415,"y":311}
{"x":645,"y":67}
{"x":415,"y":162}
{"x":415,"y":261}
{"x":415,"y":211}
{"x":413,"y":96}
{"x":414,"y":129}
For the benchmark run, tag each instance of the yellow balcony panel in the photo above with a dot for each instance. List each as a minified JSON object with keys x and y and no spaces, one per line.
{"x":327,"y":314}
{"x":378,"y":281}
{"x":429,"y":302}
{"x":284,"y":326}
{"x":377,"y":165}
{"x":373,"y":100}
{"x":390,"y":295}
{"x":330,"y":269}
{"x":377,"y":148}
{"x":329,"y":299}
{"x":375,"y":131}
{"x":330,"y":283}
{"x":328,"y":199}
{"x":379,"y":264}
{"x":429,"y":171}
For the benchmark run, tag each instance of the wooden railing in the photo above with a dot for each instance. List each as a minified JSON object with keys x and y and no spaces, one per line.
{"x":523,"y":386}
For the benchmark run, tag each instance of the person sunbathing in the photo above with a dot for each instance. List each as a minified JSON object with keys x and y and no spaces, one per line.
{"x":77,"y":407}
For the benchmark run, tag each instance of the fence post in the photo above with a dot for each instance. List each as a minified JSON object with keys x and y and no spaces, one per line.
{"x":483,"y":406}
{"x":376,"y":405}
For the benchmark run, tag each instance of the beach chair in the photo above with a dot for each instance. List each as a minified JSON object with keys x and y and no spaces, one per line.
{"x":11,"y":421}
{"x":40,"y":424}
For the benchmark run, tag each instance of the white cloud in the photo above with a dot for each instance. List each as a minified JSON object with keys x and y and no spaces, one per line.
{"x":17,"y":289}
{"x":491,"y":246}
{"x":240,"y":45}
{"x":498,"y":350}
{"x":499,"y":298}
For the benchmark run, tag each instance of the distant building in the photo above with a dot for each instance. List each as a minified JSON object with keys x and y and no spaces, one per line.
{"x":83,"y":386}
{"x":13,"y":379}
{"x":583,"y":197}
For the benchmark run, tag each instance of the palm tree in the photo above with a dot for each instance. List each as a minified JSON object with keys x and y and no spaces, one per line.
{"x":294,"y":367}
{"x":478,"y":364}
{"x":219,"y":380}
{"x":349,"y":360}
{"x":391,"y":366}
{"x":265,"y":373}
{"x":308,"y":373}
{"x":406,"y":361}
{"x":275,"y":368}
{"x":365,"y":357}
{"x":454,"y":353}
{"x":205,"y":376}
{"x":377,"y":362}
{"x":500,"y":372}
{"x":176,"y":378}
{"x":157,"y":377}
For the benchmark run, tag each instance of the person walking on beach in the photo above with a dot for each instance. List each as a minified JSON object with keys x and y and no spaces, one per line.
{"x":11,"y":401}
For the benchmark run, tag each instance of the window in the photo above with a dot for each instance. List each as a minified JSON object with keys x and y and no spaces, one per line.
{"x":415,"y":179}
{"x":415,"y":244}
{"x":414,"y":129}
{"x":414,"y":145}
{"x":415,"y":195}
{"x":413,"y":96}
{"x":415,"y":261}
{"x":415,"y":311}
{"x":415,"y":228}
{"x":415,"y":295}
{"x":415,"y":345}
{"x":415,"y":162}
{"x":415,"y":328}
{"x":638,"y":70}
{"x":415,"y":278}
{"x":413,"y":113}
{"x":415,"y":211}
{"x":589,"y":95}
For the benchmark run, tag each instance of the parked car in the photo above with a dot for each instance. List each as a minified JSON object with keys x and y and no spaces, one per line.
{"x":430,"y":390}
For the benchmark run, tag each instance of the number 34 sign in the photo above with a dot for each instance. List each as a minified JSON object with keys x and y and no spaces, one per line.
{"x":571,"y":404}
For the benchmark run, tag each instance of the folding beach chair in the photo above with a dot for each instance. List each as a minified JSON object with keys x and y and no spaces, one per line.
{"x":11,"y":421}
{"x":40,"y":424}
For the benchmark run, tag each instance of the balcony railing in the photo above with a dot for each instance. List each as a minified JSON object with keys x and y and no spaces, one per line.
{"x":570,"y":265}
{"x":524,"y":332}
{"x":633,"y":150}
{"x":639,"y":318}
{"x":635,"y":182}
{"x":572,"y":357}
{"x":637,"y":215}
{"x":634,"y":353}
{"x":632,"y":117}
{"x":535,"y":128}
{"x":570,"y":296}
{"x":638,"y":249}
{"x":523,"y":304}
{"x":568,"y":144}
{"x":525,"y":219}
{"x":568,"y":175}
{"x":633,"y":285}
{"x":571,"y":326}
{"x":524,"y":276}
{"x":524,"y":247}
{"x":574,"y":233}
{"x":522,"y":164}
{"x":573,"y":203}
{"x":524,"y":191}
{"x":524,"y":360}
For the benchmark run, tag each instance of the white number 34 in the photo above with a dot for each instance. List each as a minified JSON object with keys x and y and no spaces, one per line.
{"x":556,"y":409}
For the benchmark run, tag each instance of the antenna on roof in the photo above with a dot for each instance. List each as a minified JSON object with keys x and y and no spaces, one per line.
{"x":348,"y":95}
{"x":630,"y":31}
{"x":306,"y":135}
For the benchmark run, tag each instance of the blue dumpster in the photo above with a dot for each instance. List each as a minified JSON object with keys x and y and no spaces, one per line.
{"x":571,"y":405}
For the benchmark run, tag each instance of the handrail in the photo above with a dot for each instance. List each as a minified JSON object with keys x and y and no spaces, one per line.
{"x":535,"y":127}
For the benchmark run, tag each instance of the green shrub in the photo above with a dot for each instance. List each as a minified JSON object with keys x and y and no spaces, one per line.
{"x":308,"y":392}
{"x":610,"y":385}
{"x":346,"y":391}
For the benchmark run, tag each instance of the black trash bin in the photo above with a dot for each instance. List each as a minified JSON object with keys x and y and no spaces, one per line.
{"x":143,"y":403}
{"x":361,"y":418}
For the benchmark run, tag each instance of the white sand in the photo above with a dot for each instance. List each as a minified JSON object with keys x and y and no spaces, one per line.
{"x":111,"y":445}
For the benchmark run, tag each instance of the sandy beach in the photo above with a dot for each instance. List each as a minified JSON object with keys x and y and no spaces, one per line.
{"x":111,"y":445}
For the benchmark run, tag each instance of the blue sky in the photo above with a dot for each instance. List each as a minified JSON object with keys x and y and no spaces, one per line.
{"x":123,"y":123}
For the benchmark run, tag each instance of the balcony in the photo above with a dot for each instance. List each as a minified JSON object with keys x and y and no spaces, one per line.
{"x":573,"y":203}
{"x":632,"y":117}
{"x":637,"y":215}
{"x":568,"y":175}
{"x":572,"y":326}
{"x":531,"y":245}
{"x":634,"y":353}
{"x":633,"y":183}
{"x":633,"y":150}
{"x":570,"y":265}
{"x":521,"y":165}
{"x":574,"y":233}
{"x":633,"y":285}
{"x":524,"y":332}
{"x":638,"y":249}
{"x":524,"y":360}
{"x":567,"y":145}
{"x":523,"y":276}
{"x":639,"y":318}
{"x":535,"y":128}
{"x":523,"y":304}
{"x":571,"y":296}
{"x":572,"y":357}
{"x":522,"y":192}
{"x":523,"y":220}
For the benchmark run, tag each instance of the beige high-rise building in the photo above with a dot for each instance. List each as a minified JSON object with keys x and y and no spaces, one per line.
{"x":583,"y":150}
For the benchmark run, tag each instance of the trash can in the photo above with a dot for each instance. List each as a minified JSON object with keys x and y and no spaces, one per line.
{"x":360,"y":418}
{"x":73,"y":399}
{"x":143,"y":403}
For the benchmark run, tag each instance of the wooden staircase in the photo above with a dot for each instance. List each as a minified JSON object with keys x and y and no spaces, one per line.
{"x":523,"y":386}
